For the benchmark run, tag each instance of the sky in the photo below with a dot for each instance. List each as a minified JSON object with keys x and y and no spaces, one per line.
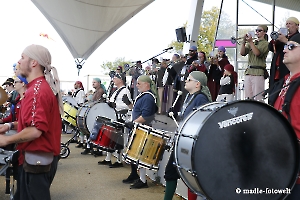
{"x":142,"y":37}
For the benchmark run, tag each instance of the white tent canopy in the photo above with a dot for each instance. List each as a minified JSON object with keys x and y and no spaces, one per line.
{"x":85,"y":24}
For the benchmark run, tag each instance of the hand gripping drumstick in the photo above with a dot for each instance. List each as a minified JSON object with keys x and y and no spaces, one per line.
{"x":171,"y":114}
{"x":178,"y":95}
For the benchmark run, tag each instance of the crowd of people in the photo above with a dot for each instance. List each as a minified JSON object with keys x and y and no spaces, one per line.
{"x":36,"y":104}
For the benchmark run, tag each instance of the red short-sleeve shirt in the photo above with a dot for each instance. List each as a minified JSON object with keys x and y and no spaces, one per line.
{"x":40,"y":108}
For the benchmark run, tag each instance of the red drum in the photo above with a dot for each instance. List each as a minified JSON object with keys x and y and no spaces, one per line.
{"x":110,"y":135}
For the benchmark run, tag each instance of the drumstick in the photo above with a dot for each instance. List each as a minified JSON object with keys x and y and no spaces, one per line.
{"x":171,"y":114}
{"x":178,"y":95}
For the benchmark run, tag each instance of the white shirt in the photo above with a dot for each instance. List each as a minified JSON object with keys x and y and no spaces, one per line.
{"x":120,"y":105}
{"x":80,"y":96}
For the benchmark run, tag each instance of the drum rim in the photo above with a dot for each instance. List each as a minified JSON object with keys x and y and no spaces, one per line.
{"x":292,"y":134}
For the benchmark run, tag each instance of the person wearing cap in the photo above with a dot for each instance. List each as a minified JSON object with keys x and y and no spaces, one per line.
{"x":20,"y":87}
{"x":79,"y":93}
{"x":116,"y":102}
{"x":143,"y":111}
{"x":99,"y":89}
{"x":39,"y":125}
{"x":193,"y":55}
{"x":79,"y":97}
{"x":278,"y":69}
{"x":135,"y":72}
{"x":257,"y":52}
{"x":222,"y":58}
{"x":97,"y":96}
{"x":11,"y":92}
{"x":292,"y":61}
{"x":228,"y":83}
{"x":196,"y":85}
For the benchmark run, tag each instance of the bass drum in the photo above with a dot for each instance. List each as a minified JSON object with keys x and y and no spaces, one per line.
{"x":86,"y":115}
{"x":239,"y":150}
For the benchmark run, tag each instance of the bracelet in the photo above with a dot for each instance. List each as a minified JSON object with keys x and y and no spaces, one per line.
{"x":9,"y":125}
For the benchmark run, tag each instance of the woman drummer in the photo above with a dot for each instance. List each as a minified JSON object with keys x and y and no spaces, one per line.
{"x":196,"y":85}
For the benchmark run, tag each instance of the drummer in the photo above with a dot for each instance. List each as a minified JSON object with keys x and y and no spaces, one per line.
{"x":196,"y":85}
{"x":116,"y":102}
{"x":97,"y":96}
{"x":145,"y":106}
{"x":78,"y":96}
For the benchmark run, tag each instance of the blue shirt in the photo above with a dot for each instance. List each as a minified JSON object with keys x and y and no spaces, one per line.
{"x":144,"y":106}
{"x":199,"y":100}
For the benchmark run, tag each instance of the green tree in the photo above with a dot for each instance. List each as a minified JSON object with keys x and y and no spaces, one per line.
{"x":111,"y":66}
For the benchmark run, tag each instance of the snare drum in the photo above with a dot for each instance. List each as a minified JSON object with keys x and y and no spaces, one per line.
{"x":87,"y":114}
{"x":223,"y":149}
{"x":110,"y":137}
{"x":70,"y":111}
{"x":146,"y":146}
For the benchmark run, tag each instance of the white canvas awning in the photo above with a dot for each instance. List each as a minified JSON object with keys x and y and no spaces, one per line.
{"x":85,"y":24}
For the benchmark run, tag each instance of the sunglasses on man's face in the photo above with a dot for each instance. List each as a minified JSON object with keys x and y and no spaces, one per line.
{"x":259,"y":30}
{"x":291,"y":46}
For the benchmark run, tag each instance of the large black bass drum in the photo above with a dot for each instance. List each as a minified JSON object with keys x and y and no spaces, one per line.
{"x":240,"y":150}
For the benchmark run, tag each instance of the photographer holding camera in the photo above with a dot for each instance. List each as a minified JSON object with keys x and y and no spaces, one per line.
{"x":278,"y":69}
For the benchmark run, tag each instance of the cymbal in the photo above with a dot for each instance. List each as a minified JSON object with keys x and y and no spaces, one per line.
{"x":3,"y":96}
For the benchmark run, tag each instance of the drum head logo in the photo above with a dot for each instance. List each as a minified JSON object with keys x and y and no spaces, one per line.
{"x":233,"y":111}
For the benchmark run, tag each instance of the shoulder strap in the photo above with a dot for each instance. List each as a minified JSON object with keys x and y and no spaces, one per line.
{"x":289,"y":96}
{"x":75,"y":93}
{"x":274,"y":91}
{"x":118,"y":92}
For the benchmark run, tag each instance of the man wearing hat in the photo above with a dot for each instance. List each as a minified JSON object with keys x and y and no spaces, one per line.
{"x":11,"y":92}
{"x":39,"y":125}
{"x":292,"y":61}
{"x":116,"y":102}
{"x":143,"y":111}
{"x":193,"y":55}
{"x":278,"y":69}
{"x":97,"y":95}
{"x":198,"y":94}
{"x":135,"y":72}
{"x":79,"y":97}
{"x":257,"y":53}
{"x":228,"y":84}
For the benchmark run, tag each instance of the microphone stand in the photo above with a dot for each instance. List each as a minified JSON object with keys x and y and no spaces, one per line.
{"x":164,"y":51}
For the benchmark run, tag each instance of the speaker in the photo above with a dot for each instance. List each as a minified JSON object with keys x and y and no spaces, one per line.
{"x":181,"y":34}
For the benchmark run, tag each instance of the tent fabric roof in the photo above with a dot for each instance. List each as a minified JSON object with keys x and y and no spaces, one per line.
{"x":85,"y":24}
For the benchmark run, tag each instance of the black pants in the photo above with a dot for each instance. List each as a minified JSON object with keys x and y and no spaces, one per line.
{"x":35,"y":186}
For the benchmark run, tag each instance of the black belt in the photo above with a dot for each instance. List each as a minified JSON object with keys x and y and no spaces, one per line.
{"x":257,"y":67}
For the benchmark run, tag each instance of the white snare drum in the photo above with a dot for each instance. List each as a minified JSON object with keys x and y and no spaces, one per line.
{"x":224,"y":148}
{"x":86,"y":115}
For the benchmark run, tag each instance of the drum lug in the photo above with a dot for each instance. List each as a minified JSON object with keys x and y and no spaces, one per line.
{"x":194,"y":137}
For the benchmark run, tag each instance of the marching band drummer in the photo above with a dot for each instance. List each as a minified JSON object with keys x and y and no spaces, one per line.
{"x":97,"y":96}
{"x":116,"y":102}
{"x":145,"y":106}
{"x":198,"y":95}
{"x":79,"y":97}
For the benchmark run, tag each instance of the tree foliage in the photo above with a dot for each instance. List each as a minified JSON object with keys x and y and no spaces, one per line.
{"x":111,"y":66}
{"x":207,"y":30}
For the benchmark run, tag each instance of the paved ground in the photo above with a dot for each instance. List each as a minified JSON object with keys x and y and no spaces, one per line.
{"x":80,"y":177}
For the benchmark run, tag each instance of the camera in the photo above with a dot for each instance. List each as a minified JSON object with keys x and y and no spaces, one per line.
{"x":112,"y":74}
{"x":274,"y":35}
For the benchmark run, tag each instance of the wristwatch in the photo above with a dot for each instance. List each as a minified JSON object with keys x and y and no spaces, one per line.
{"x":12,"y":126}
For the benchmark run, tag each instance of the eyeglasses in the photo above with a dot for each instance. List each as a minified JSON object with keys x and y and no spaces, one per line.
{"x":291,"y":46}
{"x":191,"y":50}
{"x":191,"y":79}
{"x":18,"y":82}
{"x":259,"y":30}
